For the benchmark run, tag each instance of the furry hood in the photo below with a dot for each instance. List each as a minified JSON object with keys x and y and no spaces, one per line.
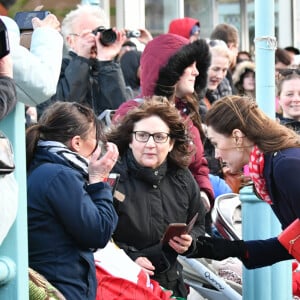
{"x":183,"y":26}
{"x":241,"y":69}
{"x":164,"y":60}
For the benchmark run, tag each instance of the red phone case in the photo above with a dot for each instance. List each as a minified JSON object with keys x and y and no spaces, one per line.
{"x":290,"y":239}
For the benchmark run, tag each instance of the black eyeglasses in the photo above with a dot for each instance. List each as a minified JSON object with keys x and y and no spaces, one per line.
{"x":158,"y":137}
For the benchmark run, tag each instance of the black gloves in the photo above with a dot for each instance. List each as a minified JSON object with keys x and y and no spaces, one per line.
{"x":218,"y":248}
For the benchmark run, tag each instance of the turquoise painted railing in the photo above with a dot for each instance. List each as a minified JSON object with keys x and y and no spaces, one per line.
{"x":259,"y":222}
{"x":14,"y":249}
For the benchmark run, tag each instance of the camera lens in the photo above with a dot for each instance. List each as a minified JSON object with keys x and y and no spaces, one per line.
{"x":108,"y":37}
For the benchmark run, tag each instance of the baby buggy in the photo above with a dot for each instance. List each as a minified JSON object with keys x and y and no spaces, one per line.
{"x":214,"y":280}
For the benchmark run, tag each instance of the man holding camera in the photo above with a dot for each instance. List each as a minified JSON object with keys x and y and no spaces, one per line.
{"x":89,"y":74}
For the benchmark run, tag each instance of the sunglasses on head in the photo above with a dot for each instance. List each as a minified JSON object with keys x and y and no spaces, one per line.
{"x":286,"y":72}
{"x":214,"y":43}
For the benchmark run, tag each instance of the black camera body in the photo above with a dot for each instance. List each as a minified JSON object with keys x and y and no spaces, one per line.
{"x":108,"y":36}
{"x":4,"y":41}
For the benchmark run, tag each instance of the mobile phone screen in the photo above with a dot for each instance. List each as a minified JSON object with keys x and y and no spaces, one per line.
{"x":113,"y":180}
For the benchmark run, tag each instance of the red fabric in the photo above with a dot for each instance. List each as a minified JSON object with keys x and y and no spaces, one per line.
{"x":115,"y":288}
{"x":256,"y":169}
{"x":183,"y":26}
{"x":295,"y":280}
{"x":123,"y":109}
{"x":155,"y":56}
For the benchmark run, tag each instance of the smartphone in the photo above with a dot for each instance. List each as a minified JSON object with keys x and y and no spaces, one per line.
{"x":4,"y":41}
{"x":113,"y":179}
{"x":177,"y":229}
{"x":24,"y":18}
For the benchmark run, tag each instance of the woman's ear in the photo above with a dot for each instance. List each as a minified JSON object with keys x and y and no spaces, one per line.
{"x":75,"y":143}
{"x":237,"y":135}
{"x":171,"y":145}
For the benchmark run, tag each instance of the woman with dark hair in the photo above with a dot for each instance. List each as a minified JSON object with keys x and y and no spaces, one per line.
{"x":174,"y":68}
{"x":70,"y":208}
{"x":241,"y":133}
{"x":156,"y":189}
{"x":244,"y":78}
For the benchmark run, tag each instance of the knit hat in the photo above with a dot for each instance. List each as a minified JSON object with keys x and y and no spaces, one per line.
{"x":164,"y":60}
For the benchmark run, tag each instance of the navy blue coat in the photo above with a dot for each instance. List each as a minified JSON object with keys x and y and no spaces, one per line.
{"x":282,"y":173}
{"x":67,"y":219}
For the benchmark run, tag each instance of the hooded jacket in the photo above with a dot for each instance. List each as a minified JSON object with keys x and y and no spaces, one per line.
{"x":183,"y":26}
{"x":162,"y":64}
{"x":240,"y":71}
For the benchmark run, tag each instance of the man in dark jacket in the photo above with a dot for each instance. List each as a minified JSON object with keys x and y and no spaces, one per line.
{"x":89,"y":74}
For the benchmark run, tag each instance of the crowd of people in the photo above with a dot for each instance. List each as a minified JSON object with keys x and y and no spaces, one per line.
{"x":183,"y":125}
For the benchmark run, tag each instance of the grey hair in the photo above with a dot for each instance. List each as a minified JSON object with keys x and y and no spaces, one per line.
{"x":82,"y":10}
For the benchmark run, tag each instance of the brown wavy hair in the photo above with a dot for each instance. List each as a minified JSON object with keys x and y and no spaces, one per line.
{"x":122,"y":136}
{"x":241,"y":112}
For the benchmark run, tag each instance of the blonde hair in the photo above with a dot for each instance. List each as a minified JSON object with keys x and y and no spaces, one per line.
{"x":223,"y":51}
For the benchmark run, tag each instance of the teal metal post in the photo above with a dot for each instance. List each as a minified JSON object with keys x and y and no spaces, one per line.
{"x":259,"y":222}
{"x":14,"y":250}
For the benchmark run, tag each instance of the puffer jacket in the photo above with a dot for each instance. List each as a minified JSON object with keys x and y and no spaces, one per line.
{"x":66,"y":219}
{"x":154,"y":198}
{"x":155,"y":57}
{"x":36,"y":71}
{"x":98,"y":84}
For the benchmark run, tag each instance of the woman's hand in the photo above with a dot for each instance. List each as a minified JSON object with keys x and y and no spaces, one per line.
{"x":145,"y":264}
{"x":100,"y":167}
{"x":181,"y":244}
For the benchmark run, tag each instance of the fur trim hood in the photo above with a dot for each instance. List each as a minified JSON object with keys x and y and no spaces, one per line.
{"x":183,"y":26}
{"x":241,"y":69}
{"x":164,"y":60}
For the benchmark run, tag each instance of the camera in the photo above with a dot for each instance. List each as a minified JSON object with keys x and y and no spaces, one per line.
{"x":4,"y":42}
{"x":108,"y":36}
{"x":133,"y":33}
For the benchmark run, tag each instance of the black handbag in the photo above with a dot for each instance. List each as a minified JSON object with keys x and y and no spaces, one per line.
{"x":7,"y":164}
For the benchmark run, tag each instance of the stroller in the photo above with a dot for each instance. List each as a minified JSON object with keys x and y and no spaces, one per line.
{"x":210,"y":279}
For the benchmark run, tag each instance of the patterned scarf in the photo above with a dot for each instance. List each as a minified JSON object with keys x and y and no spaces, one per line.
{"x":77,"y":161}
{"x":256,"y":169}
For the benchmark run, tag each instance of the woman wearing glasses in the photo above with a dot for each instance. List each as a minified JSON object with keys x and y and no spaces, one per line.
{"x":155,"y":189}
{"x":288,"y":92}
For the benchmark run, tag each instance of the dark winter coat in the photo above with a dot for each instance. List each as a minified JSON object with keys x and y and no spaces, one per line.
{"x":154,"y":198}
{"x":98,"y":84}
{"x":290,"y":123}
{"x":281,"y":171}
{"x":66,"y":219}
{"x":163,"y":62}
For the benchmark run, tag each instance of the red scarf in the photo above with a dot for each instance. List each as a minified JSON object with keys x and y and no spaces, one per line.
{"x":256,"y":169}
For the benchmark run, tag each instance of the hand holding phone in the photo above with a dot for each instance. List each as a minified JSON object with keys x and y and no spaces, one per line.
{"x":177,"y":229}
